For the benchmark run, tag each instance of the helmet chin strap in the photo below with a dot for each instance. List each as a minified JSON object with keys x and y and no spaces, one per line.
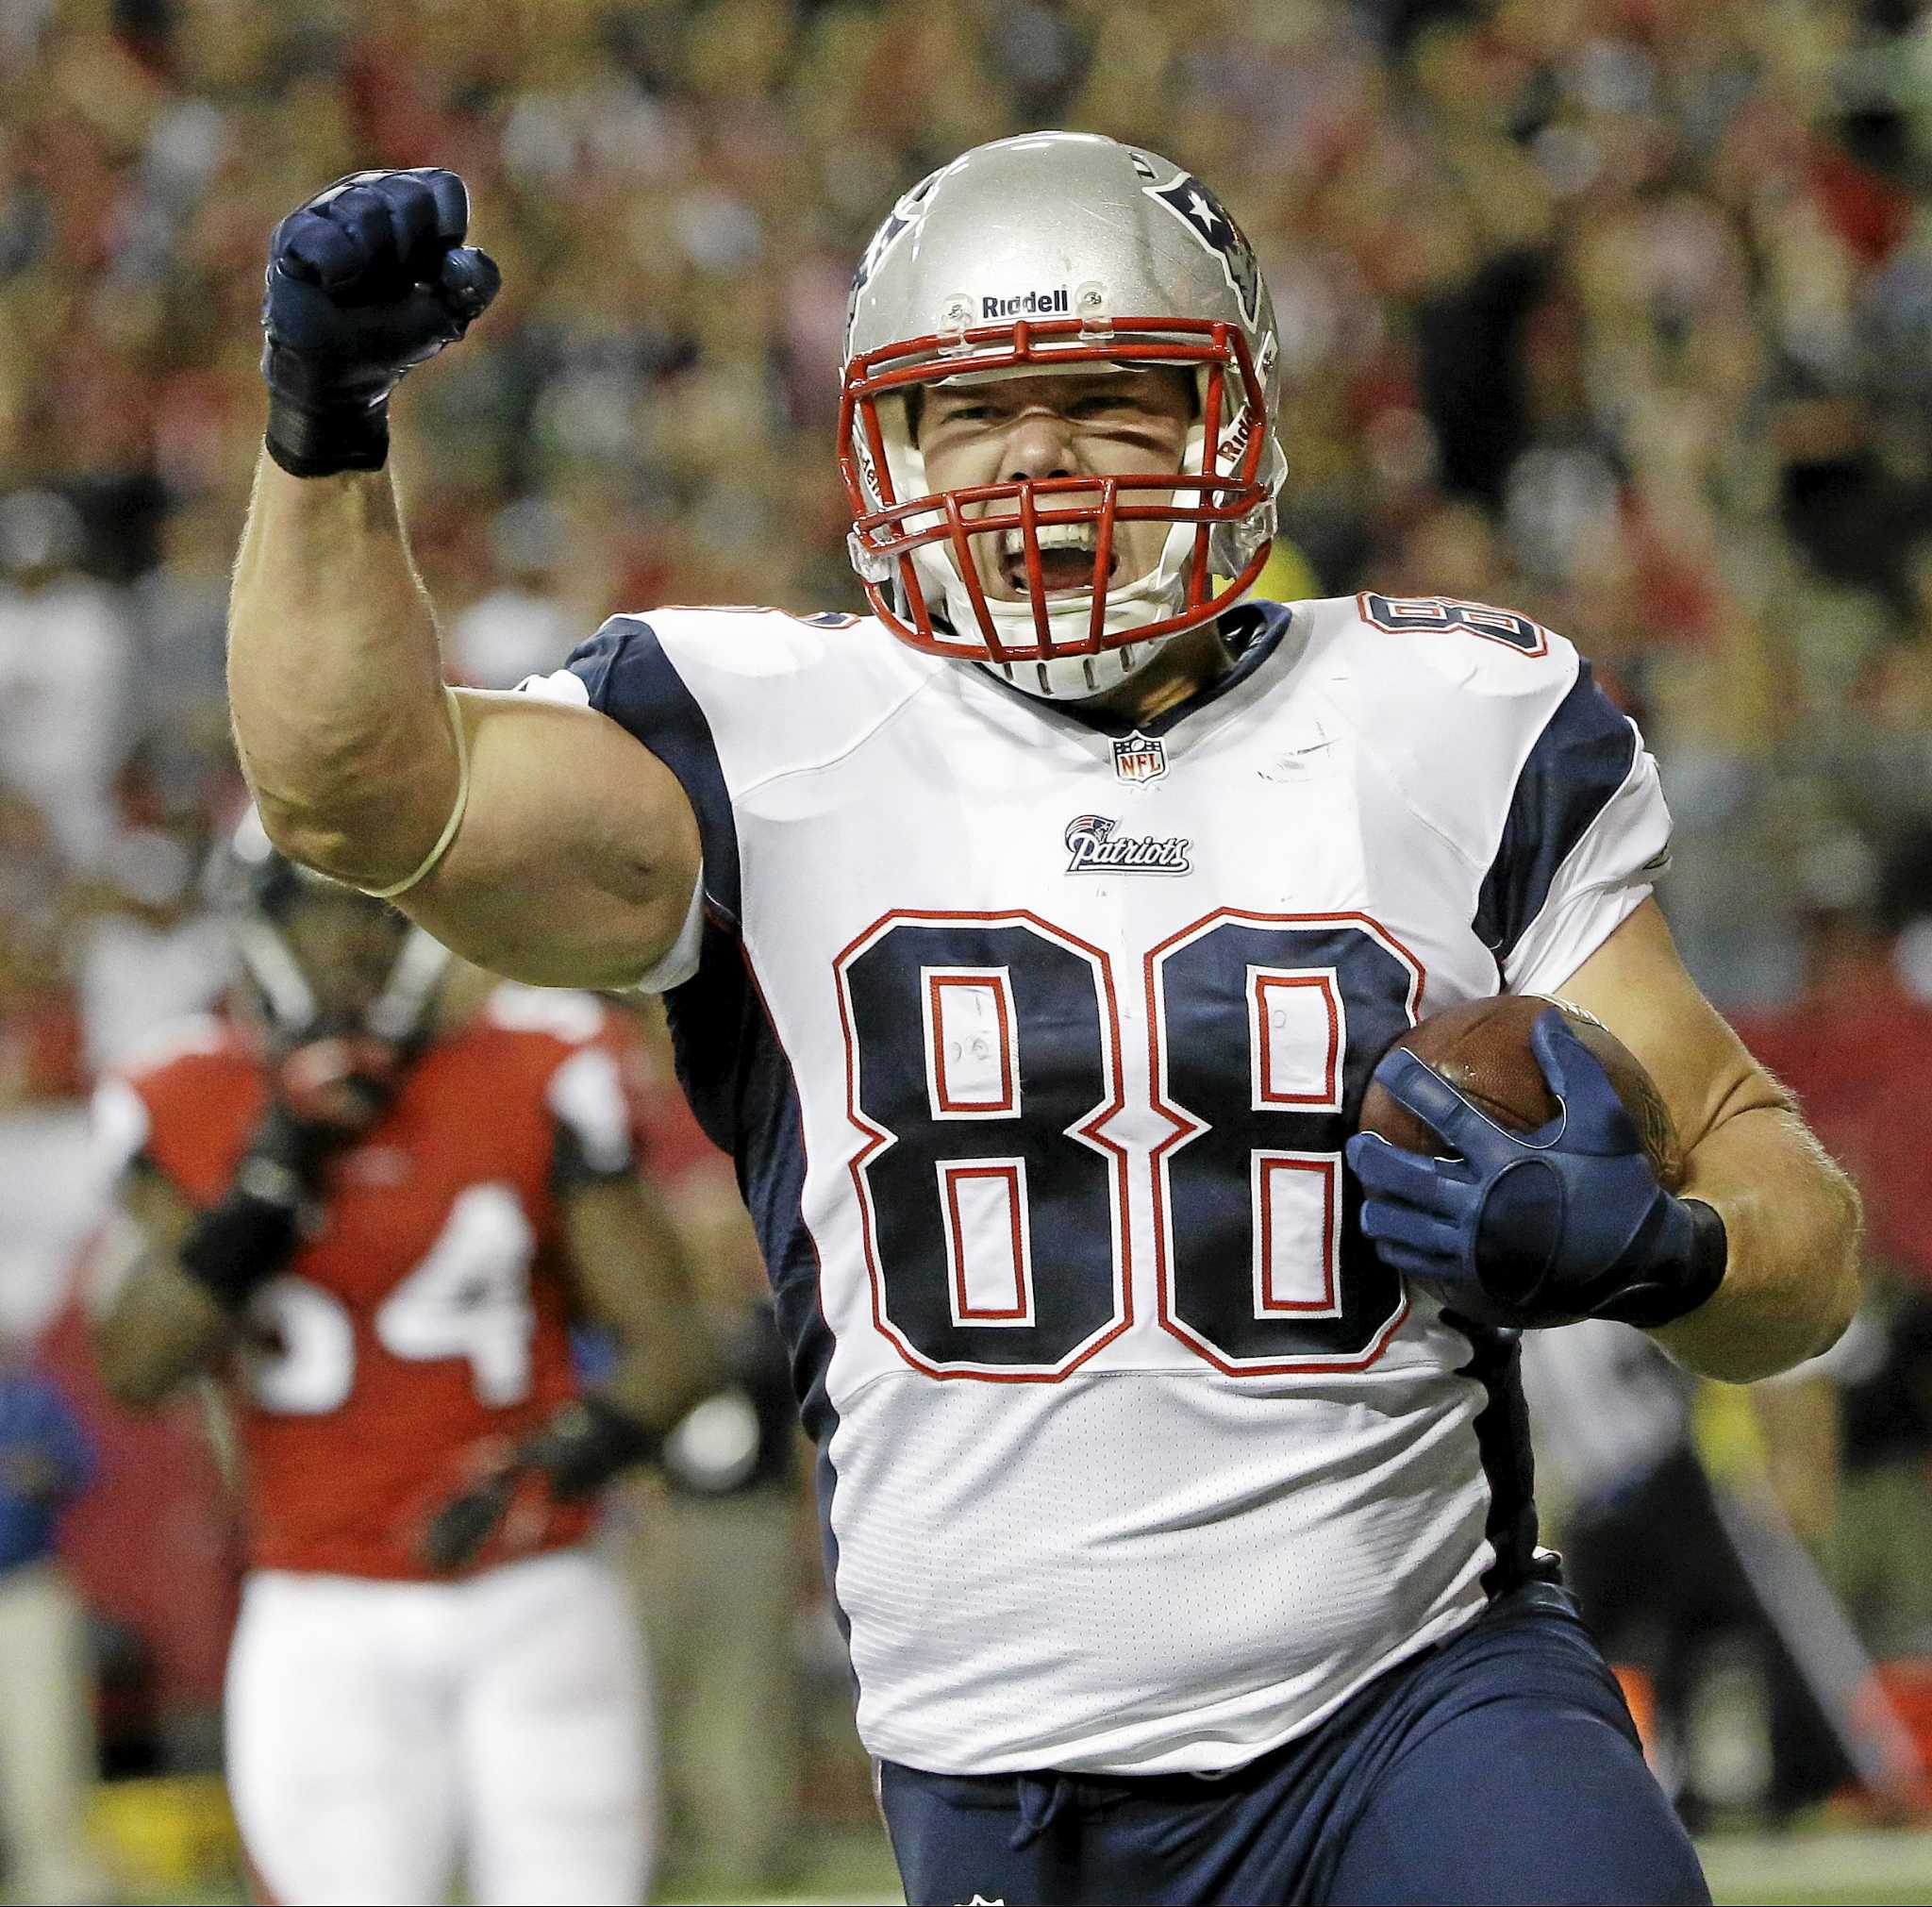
{"x":1075,"y":679}
{"x":276,"y":973}
{"x":398,"y":1013}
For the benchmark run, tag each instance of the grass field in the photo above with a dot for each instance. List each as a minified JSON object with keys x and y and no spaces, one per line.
{"x":1812,"y":1868}
{"x":1797,"y":1870}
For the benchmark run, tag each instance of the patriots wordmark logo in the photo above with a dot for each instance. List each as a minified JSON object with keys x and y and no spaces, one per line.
{"x":1140,"y":758}
{"x":1202,"y":214}
{"x":1093,"y":846}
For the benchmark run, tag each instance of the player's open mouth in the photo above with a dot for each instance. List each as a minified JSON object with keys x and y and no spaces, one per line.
{"x":1066,"y":558}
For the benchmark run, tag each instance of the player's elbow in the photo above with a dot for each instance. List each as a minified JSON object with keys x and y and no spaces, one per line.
{"x":1841,"y":1286}
{"x":321,"y":826}
{"x":295,"y":831}
{"x":1810,"y":1311}
{"x":361,"y":805}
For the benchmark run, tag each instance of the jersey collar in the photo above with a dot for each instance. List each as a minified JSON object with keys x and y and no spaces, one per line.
{"x":1252,"y":629}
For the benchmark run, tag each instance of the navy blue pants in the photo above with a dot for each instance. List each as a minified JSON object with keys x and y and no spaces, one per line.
{"x":1500,"y":1765}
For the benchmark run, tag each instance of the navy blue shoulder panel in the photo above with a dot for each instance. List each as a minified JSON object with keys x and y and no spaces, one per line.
{"x":1584,"y":755}
{"x":633,"y":681}
{"x":739,"y":1081}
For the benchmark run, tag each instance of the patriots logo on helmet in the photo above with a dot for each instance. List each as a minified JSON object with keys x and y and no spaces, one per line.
{"x":899,"y":221}
{"x":881,"y":242}
{"x":1204,"y":216}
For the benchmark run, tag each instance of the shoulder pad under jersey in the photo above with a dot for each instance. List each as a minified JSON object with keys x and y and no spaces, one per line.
{"x":1494,"y":732}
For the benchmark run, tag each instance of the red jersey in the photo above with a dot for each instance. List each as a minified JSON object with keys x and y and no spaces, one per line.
{"x":1858,"y":1054}
{"x":424,"y":1324}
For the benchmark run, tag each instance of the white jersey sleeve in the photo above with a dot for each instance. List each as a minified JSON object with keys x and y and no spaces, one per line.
{"x":701,"y":686}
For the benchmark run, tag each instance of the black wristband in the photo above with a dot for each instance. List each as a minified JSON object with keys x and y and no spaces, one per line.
{"x":326,"y":442}
{"x":1695,"y":1274}
{"x":239,"y":1244}
{"x":586,"y":1444}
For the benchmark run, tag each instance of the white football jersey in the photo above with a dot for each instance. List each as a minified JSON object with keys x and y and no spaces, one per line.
{"x":1037,"y":1038}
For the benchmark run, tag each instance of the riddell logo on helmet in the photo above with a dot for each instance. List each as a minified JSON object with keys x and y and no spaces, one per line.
{"x":1028,"y":305}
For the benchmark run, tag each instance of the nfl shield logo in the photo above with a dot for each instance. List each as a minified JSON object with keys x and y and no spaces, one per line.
{"x":1140,"y":758}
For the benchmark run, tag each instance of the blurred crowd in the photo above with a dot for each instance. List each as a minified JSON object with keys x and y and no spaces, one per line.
{"x":1618,"y":311}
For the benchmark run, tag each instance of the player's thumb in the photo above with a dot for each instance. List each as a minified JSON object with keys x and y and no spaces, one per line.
{"x":469,"y":279}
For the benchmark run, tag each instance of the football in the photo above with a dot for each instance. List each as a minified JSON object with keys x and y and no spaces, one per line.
{"x":1482,"y":1048}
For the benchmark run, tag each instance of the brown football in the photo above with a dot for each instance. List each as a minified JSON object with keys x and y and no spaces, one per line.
{"x":1482,"y":1049}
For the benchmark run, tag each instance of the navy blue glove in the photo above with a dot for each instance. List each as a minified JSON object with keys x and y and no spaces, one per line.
{"x":367,"y":278}
{"x":1541,"y":1228}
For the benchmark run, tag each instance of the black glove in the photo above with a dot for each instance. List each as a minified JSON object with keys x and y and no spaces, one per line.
{"x":253,"y":1230}
{"x":458,"y":1531}
{"x":576,"y":1451}
{"x":366,"y":279}
{"x":327,"y":1093}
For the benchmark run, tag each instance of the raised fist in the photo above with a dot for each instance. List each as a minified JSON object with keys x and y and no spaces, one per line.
{"x":365,"y":280}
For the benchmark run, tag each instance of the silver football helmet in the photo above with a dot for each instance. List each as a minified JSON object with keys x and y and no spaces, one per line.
{"x":1058,"y":250}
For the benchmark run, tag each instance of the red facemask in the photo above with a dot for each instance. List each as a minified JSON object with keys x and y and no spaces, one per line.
{"x":888,"y":529}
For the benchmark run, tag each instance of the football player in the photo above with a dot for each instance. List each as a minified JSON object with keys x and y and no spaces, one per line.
{"x":377,"y":1194}
{"x":1031,"y":941}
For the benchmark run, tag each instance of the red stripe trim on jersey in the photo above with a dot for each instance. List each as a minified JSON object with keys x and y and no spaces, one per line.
{"x":1326,"y":1097}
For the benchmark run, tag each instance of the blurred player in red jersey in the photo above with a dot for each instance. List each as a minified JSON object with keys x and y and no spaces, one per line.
{"x":377,"y":1193}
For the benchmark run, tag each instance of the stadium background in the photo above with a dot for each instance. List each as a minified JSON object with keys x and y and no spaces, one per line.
{"x":1618,"y":311}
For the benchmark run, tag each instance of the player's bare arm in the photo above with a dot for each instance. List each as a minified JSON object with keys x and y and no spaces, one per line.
{"x":154,"y":1325}
{"x":633,"y":1281}
{"x":633,"y":1278}
{"x":540,"y":841}
{"x":1743,"y":1263}
{"x":1790,"y":1215}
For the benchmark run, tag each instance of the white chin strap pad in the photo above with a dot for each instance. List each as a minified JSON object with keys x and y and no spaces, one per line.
{"x":1150,"y":599}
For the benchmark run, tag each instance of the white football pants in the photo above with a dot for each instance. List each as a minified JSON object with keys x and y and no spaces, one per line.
{"x":380,"y":1734}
